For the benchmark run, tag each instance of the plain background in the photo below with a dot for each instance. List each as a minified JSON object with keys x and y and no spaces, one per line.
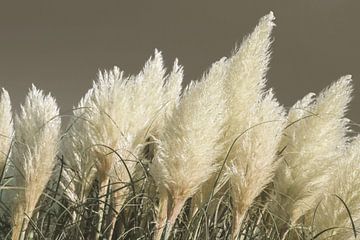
{"x":60,"y":45}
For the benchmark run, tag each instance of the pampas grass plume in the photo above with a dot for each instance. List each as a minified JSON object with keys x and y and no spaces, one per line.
{"x":188,"y":146}
{"x":251,"y":160}
{"x":37,"y":130}
{"x":6,"y":129}
{"x":312,"y":142}
{"x":254,"y":166}
{"x":243,"y":86}
{"x":344,"y":183}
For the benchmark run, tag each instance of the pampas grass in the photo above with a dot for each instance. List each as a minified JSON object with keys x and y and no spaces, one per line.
{"x":339,"y":209}
{"x":254,"y":166}
{"x":244,"y":84}
{"x":80,"y":167}
{"x":255,"y":123}
{"x":189,"y":146}
{"x":6,"y":130}
{"x":6,"y":137}
{"x":143,"y":158}
{"x":112,"y":139}
{"x":313,"y":142}
{"x":37,"y":130}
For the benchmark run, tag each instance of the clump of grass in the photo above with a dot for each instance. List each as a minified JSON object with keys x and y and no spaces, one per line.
{"x":143,"y":159}
{"x":110,"y":140}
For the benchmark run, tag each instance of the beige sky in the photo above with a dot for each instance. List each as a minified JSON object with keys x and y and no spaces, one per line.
{"x":59,"y":45}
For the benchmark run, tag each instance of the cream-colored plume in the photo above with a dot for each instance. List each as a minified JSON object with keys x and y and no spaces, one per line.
{"x":250,"y":162}
{"x":113,"y":122}
{"x":37,"y":130}
{"x":313,"y":142}
{"x":79,"y":170}
{"x":188,"y":146}
{"x":6,"y":130}
{"x":248,"y":66}
{"x":244,"y":86}
{"x":253,"y":164}
{"x":117,"y":109}
{"x":344,"y":184}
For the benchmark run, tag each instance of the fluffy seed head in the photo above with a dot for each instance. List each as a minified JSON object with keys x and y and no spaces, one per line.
{"x":37,"y":130}
{"x":312,"y":144}
{"x":6,"y":129}
{"x":248,"y":66}
{"x":119,"y":113}
{"x":254,"y":165}
{"x":244,"y":86}
{"x":189,"y":146}
{"x":344,"y":183}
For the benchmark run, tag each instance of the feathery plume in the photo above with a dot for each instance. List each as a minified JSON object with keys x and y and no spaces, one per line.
{"x":312,"y":142}
{"x":6,"y":129}
{"x":118,"y":114}
{"x":6,"y":136}
{"x":344,"y":186}
{"x":79,"y":170}
{"x":147,"y":107}
{"x":244,"y":86}
{"x":254,"y":166}
{"x":248,"y":66}
{"x":189,"y":146}
{"x":37,"y":130}
{"x":171,"y":97}
{"x":250,"y":163}
{"x":171,"y":93}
